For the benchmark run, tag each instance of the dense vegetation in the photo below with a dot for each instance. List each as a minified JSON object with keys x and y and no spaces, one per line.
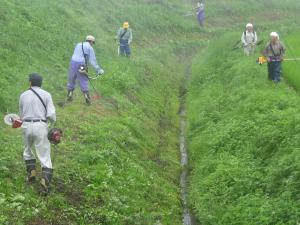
{"x":244,"y":137}
{"x":119,"y":161}
{"x":291,"y":69}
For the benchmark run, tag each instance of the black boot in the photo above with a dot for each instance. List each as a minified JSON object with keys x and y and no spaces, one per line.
{"x":46,"y":180}
{"x":30,"y":167}
{"x":70,"y":95}
{"x":87,"y":98}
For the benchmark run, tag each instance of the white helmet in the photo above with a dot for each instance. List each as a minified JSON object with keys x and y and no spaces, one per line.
{"x":274,"y":34}
{"x":90,"y":38}
{"x":249,"y":25}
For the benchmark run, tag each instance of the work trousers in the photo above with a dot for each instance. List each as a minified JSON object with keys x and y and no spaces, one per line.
{"x":125,"y":48}
{"x":74,"y":75}
{"x":249,"y":49}
{"x":35,"y":135}
{"x":274,"y":71}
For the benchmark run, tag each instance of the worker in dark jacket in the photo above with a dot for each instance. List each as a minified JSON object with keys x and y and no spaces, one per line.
{"x":274,"y":53}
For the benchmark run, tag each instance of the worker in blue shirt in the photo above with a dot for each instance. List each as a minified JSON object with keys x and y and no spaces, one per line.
{"x":83,"y":55}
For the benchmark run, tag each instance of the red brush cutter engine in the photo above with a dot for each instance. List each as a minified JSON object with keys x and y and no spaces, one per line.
{"x":55,"y":135}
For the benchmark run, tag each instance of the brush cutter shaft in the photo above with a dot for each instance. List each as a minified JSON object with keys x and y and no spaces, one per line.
{"x":292,"y":59}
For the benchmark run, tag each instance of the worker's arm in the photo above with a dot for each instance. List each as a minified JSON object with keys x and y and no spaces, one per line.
{"x":93,"y":61}
{"x":243,"y":39}
{"x":20,"y":107}
{"x":117,"y":37}
{"x":51,"y":115}
{"x":130,"y":37}
{"x":255,"y":37}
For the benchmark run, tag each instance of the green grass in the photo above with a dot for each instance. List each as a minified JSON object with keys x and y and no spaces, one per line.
{"x":243,"y":140}
{"x":119,"y":160}
{"x":291,"y":69}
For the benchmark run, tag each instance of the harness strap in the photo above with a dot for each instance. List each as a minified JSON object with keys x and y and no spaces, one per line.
{"x":254,"y":35}
{"x":123,"y":34}
{"x":40,"y":99}
{"x":272,"y":50}
{"x":85,"y":56}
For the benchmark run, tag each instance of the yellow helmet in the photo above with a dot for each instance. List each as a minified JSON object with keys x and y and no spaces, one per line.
{"x":125,"y":25}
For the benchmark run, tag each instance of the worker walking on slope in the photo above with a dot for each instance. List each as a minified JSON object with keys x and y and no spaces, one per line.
{"x":274,"y":52}
{"x":200,"y":13}
{"x":83,"y":55}
{"x":124,"y":36}
{"x":249,"y":39}
{"x":36,"y":107}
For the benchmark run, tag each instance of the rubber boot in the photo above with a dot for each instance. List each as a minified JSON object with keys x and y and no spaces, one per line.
{"x":70,"y":95}
{"x":87,"y":98}
{"x":46,"y":180}
{"x":30,"y":167}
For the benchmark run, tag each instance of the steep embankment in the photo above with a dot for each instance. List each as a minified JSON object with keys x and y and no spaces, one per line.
{"x":119,"y":161}
{"x":244,"y":130}
{"x":291,"y":69}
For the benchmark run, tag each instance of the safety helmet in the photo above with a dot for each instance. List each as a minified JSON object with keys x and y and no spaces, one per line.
{"x":249,"y":25}
{"x":125,"y":25}
{"x":274,"y":34}
{"x":90,"y":38}
{"x":55,"y":135}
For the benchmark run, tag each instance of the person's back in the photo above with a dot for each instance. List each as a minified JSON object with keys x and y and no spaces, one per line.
{"x":78,"y":51}
{"x":30,"y":104}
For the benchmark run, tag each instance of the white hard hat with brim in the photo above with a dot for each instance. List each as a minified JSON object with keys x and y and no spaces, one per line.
{"x":90,"y":38}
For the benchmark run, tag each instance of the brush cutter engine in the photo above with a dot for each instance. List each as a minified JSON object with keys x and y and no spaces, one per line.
{"x":55,"y":135}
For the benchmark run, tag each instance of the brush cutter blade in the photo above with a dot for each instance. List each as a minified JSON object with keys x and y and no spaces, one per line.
{"x":10,"y":118}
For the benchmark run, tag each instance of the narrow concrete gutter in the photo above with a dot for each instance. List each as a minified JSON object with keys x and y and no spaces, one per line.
{"x":187,"y":218}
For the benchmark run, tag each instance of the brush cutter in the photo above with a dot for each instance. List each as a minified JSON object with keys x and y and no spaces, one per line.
{"x":13,"y":120}
{"x":262,"y":59}
{"x":240,"y":45}
{"x":189,"y":14}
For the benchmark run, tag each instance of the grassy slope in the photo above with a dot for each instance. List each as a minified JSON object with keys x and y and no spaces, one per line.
{"x":291,"y":69}
{"x":243,"y":130}
{"x":118,"y":163}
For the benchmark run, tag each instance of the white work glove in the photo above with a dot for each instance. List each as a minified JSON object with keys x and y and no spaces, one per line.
{"x":100,"y":72}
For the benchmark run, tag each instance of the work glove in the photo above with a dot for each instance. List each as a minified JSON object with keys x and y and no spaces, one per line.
{"x":100,"y":72}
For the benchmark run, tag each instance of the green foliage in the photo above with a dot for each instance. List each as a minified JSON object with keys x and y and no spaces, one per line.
{"x":291,"y":69}
{"x":243,"y":141}
{"x":118,"y":162}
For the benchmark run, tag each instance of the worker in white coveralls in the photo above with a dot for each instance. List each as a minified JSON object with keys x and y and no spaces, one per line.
{"x":249,"y":39}
{"x":36,"y":108}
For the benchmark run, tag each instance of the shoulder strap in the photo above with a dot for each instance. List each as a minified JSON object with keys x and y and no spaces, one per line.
{"x":39,"y":98}
{"x":272,"y":50}
{"x":254,"y":35}
{"x":84,"y":55}
{"x":122,"y":35}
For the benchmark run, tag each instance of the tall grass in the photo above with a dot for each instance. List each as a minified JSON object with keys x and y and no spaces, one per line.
{"x":118,"y":162}
{"x":243,"y":141}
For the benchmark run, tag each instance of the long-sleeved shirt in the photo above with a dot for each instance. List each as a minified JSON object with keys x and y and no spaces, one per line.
{"x":32,"y":108}
{"x":274,"y":51}
{"x":249,"y":37}
{"x":127,"y":36}
{"x":88,"y":51}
